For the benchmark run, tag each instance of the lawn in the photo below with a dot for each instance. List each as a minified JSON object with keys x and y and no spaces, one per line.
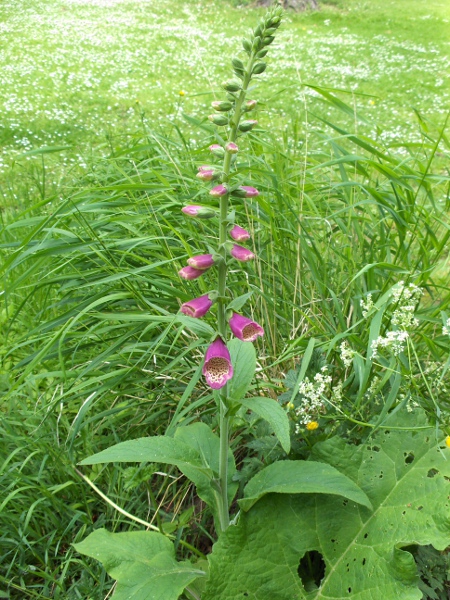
{"x":103,"y":124}
{"x":86,"y":73}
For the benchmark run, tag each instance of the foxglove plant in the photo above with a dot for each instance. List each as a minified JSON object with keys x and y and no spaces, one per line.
{"x":143,"y":562}
{"x":229,"y":113}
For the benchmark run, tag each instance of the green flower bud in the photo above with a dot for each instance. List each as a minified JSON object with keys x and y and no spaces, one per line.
{"x":270,"y":31}
{"x":250,"y":105}
{"x":237,"y":64}
{"x":247,"y":125}
{"x":256,"y":43}
{"x":275,"y":21}
{"x":246,"y":44}
{"x":259,"y":68}
{"x":231,"y":85}
{"x":222,"y":106}
{"x":258,"y":30}
{"x":262,"y":53}
{"x":220,"y":120}
{"x":268,"y":40}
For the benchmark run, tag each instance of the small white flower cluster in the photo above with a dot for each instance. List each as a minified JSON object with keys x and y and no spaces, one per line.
{"x":446,"y":328}
{"x":314,"y":395}
{"x":371,"y":393}
{"x":406,"y":298}
{"x":394,"y":340}
{"x":346,"y":354}
{"x":366,"y":305}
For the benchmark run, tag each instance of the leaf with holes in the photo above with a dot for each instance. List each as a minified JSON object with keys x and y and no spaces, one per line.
{"x":405,"y":471}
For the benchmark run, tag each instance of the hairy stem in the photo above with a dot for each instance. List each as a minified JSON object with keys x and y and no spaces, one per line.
{"x":224,"y":420}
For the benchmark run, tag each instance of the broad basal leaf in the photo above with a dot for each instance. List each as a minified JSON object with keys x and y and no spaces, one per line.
{"x":301,"y":477}
{"x":269,"y":410}
{"x":142,"y":562}
{"x":405,"y":474}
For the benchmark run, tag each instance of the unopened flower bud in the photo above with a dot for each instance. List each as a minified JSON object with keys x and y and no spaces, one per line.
{"x":245,"y":191}
{"x":262,"y":53}
{"x":246,"y":44}
{"x":190,"y":273}
{"x":259,"y":68}
{"x":268,"y":40}
{"x":201,"y":212}
{"x":247,"y":125}
{"x":232,"y":148}
{"x":219,"y":120}
{"x":250,"y":105}
{"x":219,"y":190}
{"x":206,"y":173}
{"x":238,"y":64}
{"x":202,"y":261}
{"x":222,"y":106}
{"x":241,"y":254}
{"x":217,"y":150}
{"x":231,"y":85}
{"x":239,"y":234}
{"x":256,"y":43}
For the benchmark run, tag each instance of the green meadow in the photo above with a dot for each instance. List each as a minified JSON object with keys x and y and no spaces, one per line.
{"x":103,"y":122}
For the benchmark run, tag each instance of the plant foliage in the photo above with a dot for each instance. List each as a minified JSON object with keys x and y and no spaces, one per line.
{"x":404,"y":470}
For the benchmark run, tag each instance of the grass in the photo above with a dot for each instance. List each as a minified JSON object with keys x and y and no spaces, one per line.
{"x":72,"y":77}
{"x":352,"y":202}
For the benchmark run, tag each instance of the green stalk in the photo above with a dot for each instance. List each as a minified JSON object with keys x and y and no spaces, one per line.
{"x":224,"y":420}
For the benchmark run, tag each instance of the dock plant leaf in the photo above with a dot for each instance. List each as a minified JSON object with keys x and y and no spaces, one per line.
{"x":403,"y":468}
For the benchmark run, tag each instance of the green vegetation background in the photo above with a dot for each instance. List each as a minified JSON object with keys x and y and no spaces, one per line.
{"x":97,"y":158}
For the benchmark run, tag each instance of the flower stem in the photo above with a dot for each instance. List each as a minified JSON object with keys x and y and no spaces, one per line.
{"x":224,"y":420}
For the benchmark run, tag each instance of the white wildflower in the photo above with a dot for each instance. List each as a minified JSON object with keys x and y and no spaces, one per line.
{"x":446,"y":328}
{"x":366,"y":305}
{"x":314,"y":395}
{"x":395,"y":341}
{"x":346,"y":354}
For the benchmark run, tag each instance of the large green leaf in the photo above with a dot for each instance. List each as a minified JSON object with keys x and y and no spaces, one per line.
{"x":202,"y":440}
{"x":405,"y":473}
{"x":301,"y":477}
{"x":142,"y":562}
{"x":159,"y":449}
{"x":269,"y":410}
{"x":243,"y":359}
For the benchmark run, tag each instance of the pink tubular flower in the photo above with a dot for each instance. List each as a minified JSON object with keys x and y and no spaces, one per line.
{"x":190,"y":272}
{"x":201,"y":212}
{"x":245,"y":329}
{"x":219,"y":190}
{"x":217,"y":367}
{"x":197,"y":307}
{"x":202,"y":261}
{"x":242,"y":254}
{"x":239,"y":234}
